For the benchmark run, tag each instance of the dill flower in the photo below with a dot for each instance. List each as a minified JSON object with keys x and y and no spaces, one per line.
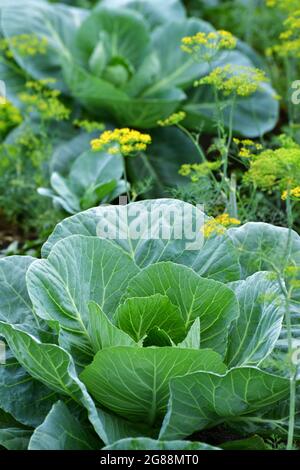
{"x":44,"y":100}
{"x":240,"y":80}
{"x":127,"y":141}
{"x":294,"y":193}
{"x":206,"y":46}
{"x":289,"y":44}
{"x":247,"y":147}
{"x":218,"y":225}
{"x":24,"y":44}
{"x":10,"y":117}
{"x":287,"y":5}
{"x":275,"y":169}
{"x":89,"y":126}
{"x":198,"y":170}
{"x":172,"y":120}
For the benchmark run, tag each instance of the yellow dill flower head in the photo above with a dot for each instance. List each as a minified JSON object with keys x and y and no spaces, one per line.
{"x":198,"y":170}
{"x":127,"y":141}
{"x":240,"y":80}
{"x":276,"y":169}
{"x":24,"y":45}
{"x":289,"y":44}
{"x":10,"y":117}
{"x":185,"y":169}
{"x":294,"y":194}
{"x":218,"y":225}
{"x":286,"y":5}
{"x":172,"y":120}
{"x":89,"y":126}
{"x":247,"y":147}
{"x":44,"y":101}
{"x":244,"y":152}
{"x":206,"y":46}
{"x":226,"y":220}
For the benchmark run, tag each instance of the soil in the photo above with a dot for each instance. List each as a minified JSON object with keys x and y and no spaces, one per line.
{"x":8,"y":233}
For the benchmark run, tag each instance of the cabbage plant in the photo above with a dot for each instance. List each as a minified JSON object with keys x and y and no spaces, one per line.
{"x":93,"y":178}
{"x":116,"y":340}
{"x":123,"y":60}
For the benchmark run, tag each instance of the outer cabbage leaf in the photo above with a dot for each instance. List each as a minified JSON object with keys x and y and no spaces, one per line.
{"x":205,"y":399}
{"x":175,"y":235}
{"x":143,"y":443}
{"x":134,"y":382}
{"x":78,"y":270}
{"x":254,"y":333}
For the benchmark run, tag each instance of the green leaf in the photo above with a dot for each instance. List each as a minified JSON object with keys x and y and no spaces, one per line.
{"x":170,"y":149}
{"x":213,"y":302}
{"x":13,"y":436}
{"x":263,"y":247}
{"x":54,"y":367}
{"x":177,"y":69}
{"x":205,"y":399}
{"x":218,"y":259}
{"x":103,"y":333}
{"x":143,"y":443}
{"x":150,"y":231}
{"x":153,"y":10}
{"x":55,"y":23}
{"x":134,"y":382}
{"x":93,"y":168}
{"x":157,"y":230}
{"x":157,"y":337}
{"x":31,"y":400}
{"x":193,"y":338}
{"x":123,"y":33}
{"x":254,"y":333}
{"x":104,"y":99}
{"x":61,"y":186}
{"x":15,"y":304}
{"x":66,"y":152}
{"x":61,"y":431}
{"x":137,"y":316}
{"x":118,"y":428}
{"x":87,"y":88}
{"x":269,"y":421}
{"x":79,"y":269}
{"x":14,"y":80}
{"x":96,"y":194}
{"x":251,"y":443}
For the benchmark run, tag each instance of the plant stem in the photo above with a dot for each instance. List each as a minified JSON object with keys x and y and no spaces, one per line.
{"x":126,"y":179}
{"x":195,"y":141}
{"x":292,"y":409}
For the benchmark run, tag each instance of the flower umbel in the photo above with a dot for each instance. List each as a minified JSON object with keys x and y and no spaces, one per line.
{"x":44,"y":101}
{"x":198,"y":170}
{"x":247,"y":147}
{"x":23,"y":44}
{"x":218,"y":225}
{"x":276,"y":169}
{"x":240,"y":80}
{"x":10,"y":117}
{"x":294,"y":194}
{"x":127,"y":141}
{"x":172,"y":120}
{"x":206,"y":46}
